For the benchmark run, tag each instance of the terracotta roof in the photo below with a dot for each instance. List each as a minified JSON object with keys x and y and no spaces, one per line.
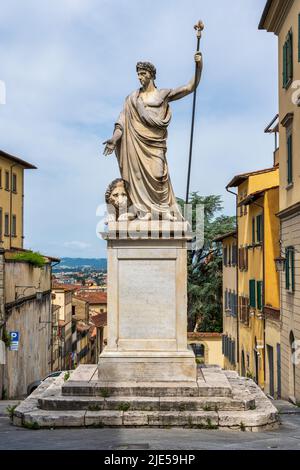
{"x":238,"y":179}
{"x":17,"y":160}
{"x":92,"y":297}
{"x":65,"y":287}
{"x":192,"y":335}
{"x":99,"y":320}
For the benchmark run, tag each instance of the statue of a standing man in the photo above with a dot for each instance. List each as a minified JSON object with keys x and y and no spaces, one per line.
{"x":140,"y":143}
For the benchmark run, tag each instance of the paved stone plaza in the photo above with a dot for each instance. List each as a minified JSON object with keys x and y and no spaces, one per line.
{"x":287,"y":436}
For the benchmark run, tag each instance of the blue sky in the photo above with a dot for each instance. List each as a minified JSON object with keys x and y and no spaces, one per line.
{"x":68,"y":66}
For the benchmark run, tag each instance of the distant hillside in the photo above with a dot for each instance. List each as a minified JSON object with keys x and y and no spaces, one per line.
{"x":80,"y":263}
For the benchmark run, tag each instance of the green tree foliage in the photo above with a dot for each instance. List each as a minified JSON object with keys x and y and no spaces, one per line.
{"x":205,"y":266}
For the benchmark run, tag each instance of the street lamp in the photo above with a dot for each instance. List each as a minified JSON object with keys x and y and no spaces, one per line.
{"x":280,"y":263}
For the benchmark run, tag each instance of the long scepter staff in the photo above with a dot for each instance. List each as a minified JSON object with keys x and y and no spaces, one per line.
{"x":199,"y":28}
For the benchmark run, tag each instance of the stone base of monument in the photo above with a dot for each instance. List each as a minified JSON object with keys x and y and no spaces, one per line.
{"x":216,"y":400}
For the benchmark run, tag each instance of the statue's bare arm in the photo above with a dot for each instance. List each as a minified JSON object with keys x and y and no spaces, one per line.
{"x":181,"y":92}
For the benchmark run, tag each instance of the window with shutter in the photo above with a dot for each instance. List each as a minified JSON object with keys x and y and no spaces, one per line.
{"x":6,"y":225}
{"x":259,"y":294}
{"x":290,"y":57}
{"x":290,"y":159}
{"x":284,"y":66}
{"x":226,"y":302}
{"x":287,"y":269}
{"x":290,"y":269}
{"x":287,"y":65}
{"x":246,"y":259}
{"x":252,"y":293}
{"x":234,"y":255}
{"x":7,"y":181}
{"x":242,"y":259}
{"x":253,"y":230}
{"x":225,"y":256}
{"x":259,"y":228}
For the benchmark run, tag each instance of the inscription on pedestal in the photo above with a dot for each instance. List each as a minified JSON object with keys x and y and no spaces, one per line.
{"x":147,"y":299}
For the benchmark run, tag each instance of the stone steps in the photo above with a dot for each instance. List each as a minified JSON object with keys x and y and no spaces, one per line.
{"x":134,"y":403}
{"x":78,"y":403}
{"x":159,"y":389}
{"x":242,"y":421}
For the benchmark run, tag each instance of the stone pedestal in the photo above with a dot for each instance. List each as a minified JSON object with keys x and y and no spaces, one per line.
{"x":147,"y":304}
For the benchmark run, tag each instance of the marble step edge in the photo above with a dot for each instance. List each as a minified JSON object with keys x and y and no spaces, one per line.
{"x":76,"y":388}
{"x":243,"y":420}
{"x":131,"y":403}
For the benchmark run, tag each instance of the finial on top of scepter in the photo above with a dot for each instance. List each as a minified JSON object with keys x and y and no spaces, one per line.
{"x":199,"y":27}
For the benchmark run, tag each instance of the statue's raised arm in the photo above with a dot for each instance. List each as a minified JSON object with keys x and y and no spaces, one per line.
{"x":181,"y":92}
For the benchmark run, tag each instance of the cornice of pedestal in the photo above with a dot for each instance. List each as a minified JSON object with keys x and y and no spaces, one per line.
{"x":151,"y":229}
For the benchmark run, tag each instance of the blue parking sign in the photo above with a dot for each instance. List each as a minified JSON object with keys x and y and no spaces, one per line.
{"x":14,"y":340}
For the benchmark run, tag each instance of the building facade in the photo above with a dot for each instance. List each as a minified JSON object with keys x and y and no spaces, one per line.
{"x":62,"y":296}
{"x":230,"y":299}
{"x":12,"y":200}
{"x":283,"y":19}
{"x":258,"y":280}
{"x":207,"y":348}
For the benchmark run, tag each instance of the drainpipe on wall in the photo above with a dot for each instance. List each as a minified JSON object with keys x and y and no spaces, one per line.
{"x":237,"y":277}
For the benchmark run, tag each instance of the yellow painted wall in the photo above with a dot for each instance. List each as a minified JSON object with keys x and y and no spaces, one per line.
{"x":17,"y":203}
{"x":252,"y":335}
{"x":213,"y":348}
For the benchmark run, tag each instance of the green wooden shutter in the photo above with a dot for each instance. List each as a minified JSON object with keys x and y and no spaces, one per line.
{"x":290,"y":159}
{"x":284,"y":66}
{"x":290,"y":57}
{"x":259,"y":295}
{"x":259,"y":228}
{"x":252,"y":293}
{"x":292,"y":257}
{"x":287,"y":268}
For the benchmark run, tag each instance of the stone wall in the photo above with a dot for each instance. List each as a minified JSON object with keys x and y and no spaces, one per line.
{"x":30,"y":315}
{"x":32,"y":361}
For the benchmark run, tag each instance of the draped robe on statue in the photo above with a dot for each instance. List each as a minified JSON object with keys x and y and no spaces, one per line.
{"x":141,"y":154}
